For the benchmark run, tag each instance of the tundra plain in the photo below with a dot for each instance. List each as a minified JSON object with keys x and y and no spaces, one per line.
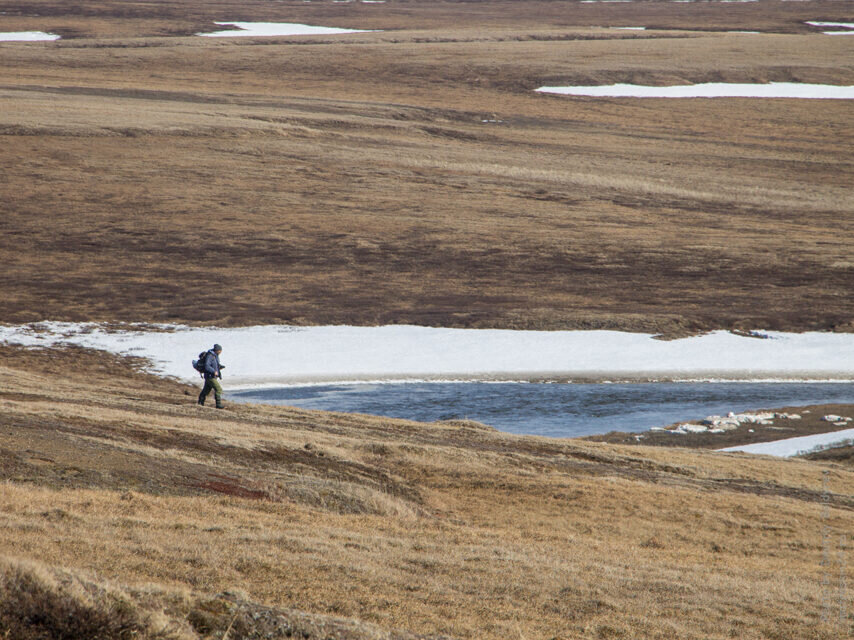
{"x":412,"y":175}
{"x":409,"y":175}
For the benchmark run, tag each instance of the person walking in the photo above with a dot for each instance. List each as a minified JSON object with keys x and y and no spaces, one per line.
{"x":213,"y":374}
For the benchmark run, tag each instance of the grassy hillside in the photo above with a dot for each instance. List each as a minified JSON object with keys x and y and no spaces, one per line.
{"x":182,"y":522}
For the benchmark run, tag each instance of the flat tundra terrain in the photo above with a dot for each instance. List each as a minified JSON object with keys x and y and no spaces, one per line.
{"x":412,"y":174}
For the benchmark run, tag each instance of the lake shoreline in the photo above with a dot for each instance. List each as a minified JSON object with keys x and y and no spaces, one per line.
{"x":810,"y":422}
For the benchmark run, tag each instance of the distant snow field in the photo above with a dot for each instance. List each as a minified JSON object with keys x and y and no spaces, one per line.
{"x":711,"y":90}
{"x":275,"y":355}
{"x":27,"y":36}
{"x":264,"y":29}
{"x":848,"y":26}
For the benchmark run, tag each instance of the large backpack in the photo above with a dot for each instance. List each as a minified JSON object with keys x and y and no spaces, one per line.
{"x":199,"y":365}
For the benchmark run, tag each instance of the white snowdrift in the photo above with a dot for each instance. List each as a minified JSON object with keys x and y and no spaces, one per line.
{"x":711,"y":90}
{"x":266,"y":29}
{"x":795,"y":446}
{"x":27,"y":36}
{"x":276,"y":355}
{"x":847,"y":26}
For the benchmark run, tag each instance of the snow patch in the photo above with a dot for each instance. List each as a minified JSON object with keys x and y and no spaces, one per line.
{"x":27,"y":36}
{"x":266,"y":29}
{"x":711,"y":90}
{"x":730,"y":422}
{"x":691,"y":428}
{"x":796,"y":446}
{"x":734,"y":420}
{"x":848,"y":26}
{"x":277,"y":354}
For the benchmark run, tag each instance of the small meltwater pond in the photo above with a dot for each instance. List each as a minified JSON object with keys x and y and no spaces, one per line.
{"x":711,"y":90}
{"x":267,"y":29}
{"x":557,"y":410}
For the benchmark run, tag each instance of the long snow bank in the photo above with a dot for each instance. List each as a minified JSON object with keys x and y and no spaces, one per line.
{"x":276,"y":355}
{"x":27,"y":36}
{"x":266,"y":29}
{"x":711,"y":90}
{"x":796,"y":446}
{"x":847,"y":26}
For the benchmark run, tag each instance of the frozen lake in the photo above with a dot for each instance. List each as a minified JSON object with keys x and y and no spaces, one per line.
{"x":711,"y":90}
{"x":557,"y":410}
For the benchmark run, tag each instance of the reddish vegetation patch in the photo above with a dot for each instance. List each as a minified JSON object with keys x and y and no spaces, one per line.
{"x":231,"y":487}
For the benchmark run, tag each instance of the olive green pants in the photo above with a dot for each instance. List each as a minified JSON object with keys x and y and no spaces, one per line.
{"x":211,"y":383}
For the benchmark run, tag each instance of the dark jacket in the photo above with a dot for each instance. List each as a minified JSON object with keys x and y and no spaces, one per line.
{"x":212,"y":365}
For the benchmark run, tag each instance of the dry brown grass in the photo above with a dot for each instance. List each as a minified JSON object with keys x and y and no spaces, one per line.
{"x":37,"y":602}
{"x":449,"y":528}
{"x":40,"y":602}
{"x":353,"y":180}
{"x":839,"y":455}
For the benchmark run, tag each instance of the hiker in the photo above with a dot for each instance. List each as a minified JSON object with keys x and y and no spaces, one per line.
{"x":212,"y":373}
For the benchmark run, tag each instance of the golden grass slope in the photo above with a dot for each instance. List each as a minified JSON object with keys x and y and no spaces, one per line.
{"x":413,"y":176}
{"x":39,"y":602}
{"x":445,"y":528}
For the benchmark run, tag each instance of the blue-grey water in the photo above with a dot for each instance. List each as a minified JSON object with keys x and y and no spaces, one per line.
{"x":560,"y":410}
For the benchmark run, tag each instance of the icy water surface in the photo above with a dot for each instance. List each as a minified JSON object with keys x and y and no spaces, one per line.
{"x":560,"y":410}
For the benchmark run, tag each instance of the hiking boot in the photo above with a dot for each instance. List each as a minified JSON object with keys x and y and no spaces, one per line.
{"x":220,"y":405}
{"x":201,"y":401}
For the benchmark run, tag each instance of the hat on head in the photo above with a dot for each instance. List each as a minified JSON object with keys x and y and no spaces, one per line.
{"x":216,"y":347}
